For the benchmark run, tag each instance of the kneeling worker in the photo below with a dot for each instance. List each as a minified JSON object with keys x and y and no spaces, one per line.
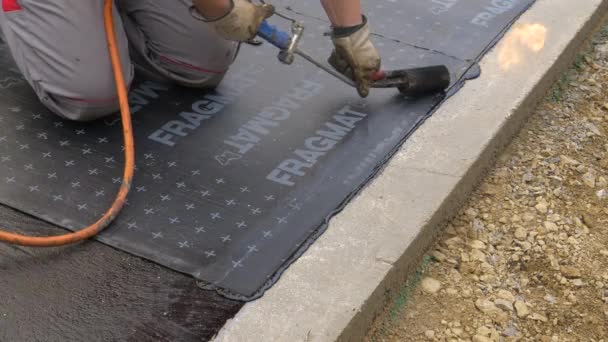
{"x":60,"y":45}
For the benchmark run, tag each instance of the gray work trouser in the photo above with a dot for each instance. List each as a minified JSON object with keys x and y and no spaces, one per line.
{"x":60,"y":47}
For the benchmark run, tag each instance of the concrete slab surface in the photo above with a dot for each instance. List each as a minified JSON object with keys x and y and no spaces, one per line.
{"x":336,"y":288}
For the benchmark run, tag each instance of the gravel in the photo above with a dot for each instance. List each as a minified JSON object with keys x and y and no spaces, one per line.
{"x":430,"y":285}
{"x":522,"y":309}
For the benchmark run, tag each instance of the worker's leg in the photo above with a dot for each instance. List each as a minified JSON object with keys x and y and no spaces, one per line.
{"x":60,"y":47}
{"x":166,"y":39}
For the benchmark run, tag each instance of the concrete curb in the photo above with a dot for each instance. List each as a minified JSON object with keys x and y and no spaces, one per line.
{"x":334,"y":291}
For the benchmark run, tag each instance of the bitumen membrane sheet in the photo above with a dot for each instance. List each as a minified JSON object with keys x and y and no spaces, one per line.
{"x":232,"y":185}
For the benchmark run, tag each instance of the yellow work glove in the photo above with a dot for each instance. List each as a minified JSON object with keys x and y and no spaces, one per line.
{"x":242,"y":22}
{"x":355,"y":56}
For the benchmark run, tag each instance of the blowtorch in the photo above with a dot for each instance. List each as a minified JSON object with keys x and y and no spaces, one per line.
{"x":413,"y":82}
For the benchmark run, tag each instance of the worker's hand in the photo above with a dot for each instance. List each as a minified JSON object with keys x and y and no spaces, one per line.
{"x":241,"y":22}
{"x":355,"y":56}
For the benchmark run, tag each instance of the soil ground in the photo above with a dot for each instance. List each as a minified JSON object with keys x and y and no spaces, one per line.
{"x":526,"y":259}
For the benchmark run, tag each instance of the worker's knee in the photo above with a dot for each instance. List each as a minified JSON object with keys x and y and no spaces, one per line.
{"x":84,"y":104}
{"x":89,"y":94}
{"x":196,"y":67}
{"x":193,"y":77}
{"x":166,"y":40}
{"x":67,"y":66}
{"x":83,"y":109}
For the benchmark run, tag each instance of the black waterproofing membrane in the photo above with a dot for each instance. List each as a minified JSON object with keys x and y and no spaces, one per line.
{"x":232,"y":185}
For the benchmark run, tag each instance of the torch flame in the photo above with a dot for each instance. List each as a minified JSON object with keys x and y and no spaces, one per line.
{"x":520,"y":40}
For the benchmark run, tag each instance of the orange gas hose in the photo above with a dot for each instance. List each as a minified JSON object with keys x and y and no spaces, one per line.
{"x":125,"y":114}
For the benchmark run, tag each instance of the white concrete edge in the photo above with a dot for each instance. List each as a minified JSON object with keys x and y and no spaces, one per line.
{"x":334,"y":291}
